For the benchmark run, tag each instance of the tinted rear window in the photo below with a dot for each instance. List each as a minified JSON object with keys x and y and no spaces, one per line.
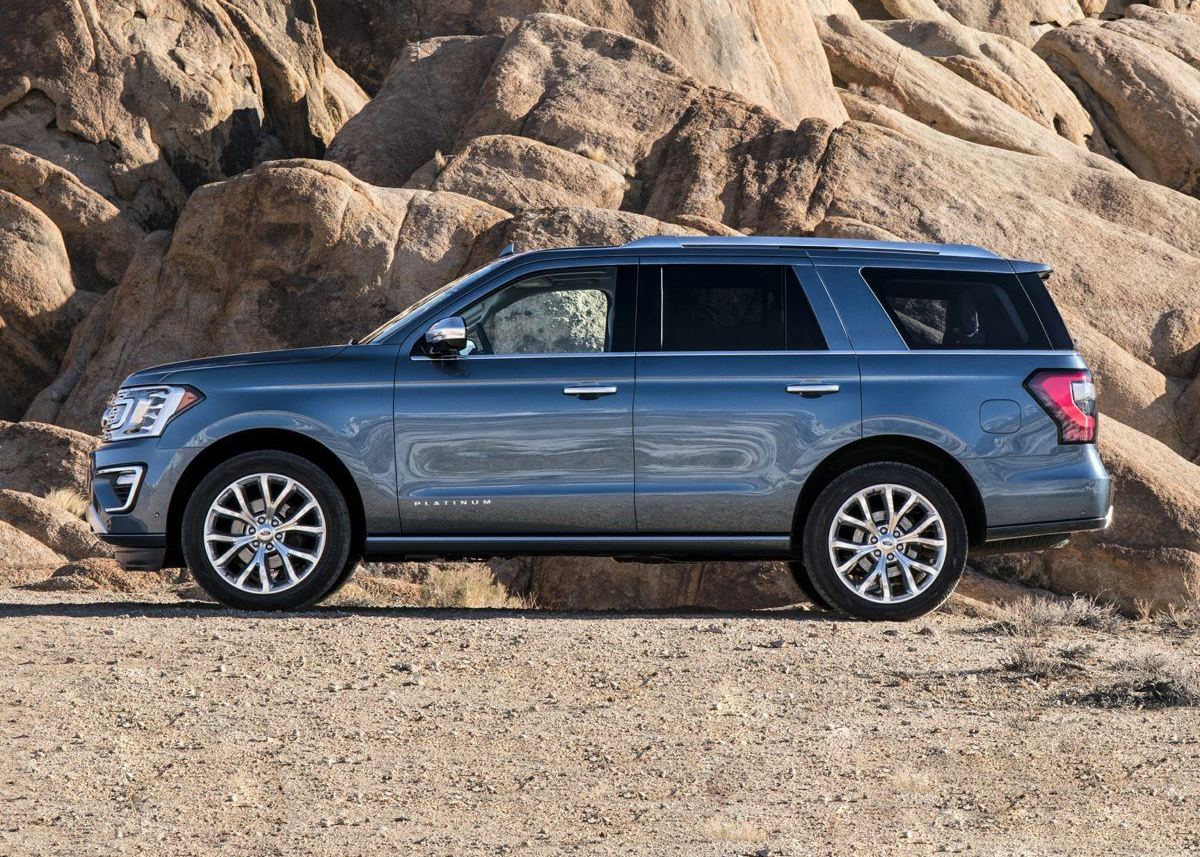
{"x":733,"y":308}
{"x":958,"y":309}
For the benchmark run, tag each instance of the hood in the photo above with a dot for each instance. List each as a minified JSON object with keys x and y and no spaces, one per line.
{"x":160,"y":374}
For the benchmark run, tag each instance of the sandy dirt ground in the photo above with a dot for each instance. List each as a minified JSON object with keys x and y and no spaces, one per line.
{"x":166,"y":726}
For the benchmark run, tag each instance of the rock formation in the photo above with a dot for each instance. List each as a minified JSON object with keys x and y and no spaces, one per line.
{"x":174,"y":191}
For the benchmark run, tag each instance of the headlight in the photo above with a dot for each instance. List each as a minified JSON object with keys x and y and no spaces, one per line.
{"x":144,"y":411}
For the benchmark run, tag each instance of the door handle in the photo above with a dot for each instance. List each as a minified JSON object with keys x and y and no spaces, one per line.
{"x":589,"y":392}
{"x":811,"y":391}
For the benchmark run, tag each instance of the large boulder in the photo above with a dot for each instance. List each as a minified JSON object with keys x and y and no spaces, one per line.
{"x":1003,"y":67}
{"x":419,"y":110}
{"x":100,"y":238}
{"x":1023,"y":20}
{"x":1117,"y":8}
{"x":38,"y":303}
{"x":730,"y":163}
{"x":36,"y":458}
{"x":306,"y":99}
{"x":1134,"y":392}
{"x":764,"y":50}
{"x":22,"y":552}
{"x":516,"y":174}
{"x":865,"y":58}
{"x":575,"y":87}
{"x":1145,"y":99}
{"x":254,"y":259}
{"x":1177,"y":34}
{"x":144,"y":102}
{"x":572,"y":227}
{"x":139,"y":109}
{"x":52,"y":525}
{"x":554,"y":80}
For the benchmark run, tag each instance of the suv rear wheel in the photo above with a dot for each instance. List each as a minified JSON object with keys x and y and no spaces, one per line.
{"x":885,"y":541}
{"x":267,"y":531}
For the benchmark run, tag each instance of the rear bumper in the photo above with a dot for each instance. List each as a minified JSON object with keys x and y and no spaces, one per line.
{"x":1048,"y":528}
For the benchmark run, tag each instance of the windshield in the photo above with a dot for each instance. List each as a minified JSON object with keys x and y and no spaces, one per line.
{"x":390,"y":326}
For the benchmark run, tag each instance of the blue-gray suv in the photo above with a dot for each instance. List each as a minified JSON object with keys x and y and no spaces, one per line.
{"x":869,"y":412}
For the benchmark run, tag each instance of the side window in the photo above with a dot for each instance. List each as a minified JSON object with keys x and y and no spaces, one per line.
{"x":958,"y":309}
{"x":730,"y":308}
{"x":571,"y":311}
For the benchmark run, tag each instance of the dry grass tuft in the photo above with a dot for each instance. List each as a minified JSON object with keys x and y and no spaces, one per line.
{"x":1035,"y":618}
{"x":68,"y":501}
{"x":1180,"y":617}
{"x":593,"y":153}
{"x":466,"y":586}
{"x":1152,"y":679}
{"x":1032,"y":659}
{"x":440,"y":161}
{"x":726,"y":830}
{"x":1031,"y":623}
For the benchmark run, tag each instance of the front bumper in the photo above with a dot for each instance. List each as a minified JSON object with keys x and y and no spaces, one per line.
{"x":134,"y":551}
{"x":136,"y":522}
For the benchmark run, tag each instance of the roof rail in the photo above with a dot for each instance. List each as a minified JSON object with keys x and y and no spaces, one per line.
{"x":667,"y":242}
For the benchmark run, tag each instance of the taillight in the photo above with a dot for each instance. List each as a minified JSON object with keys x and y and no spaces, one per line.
{"x":1069,"y":397}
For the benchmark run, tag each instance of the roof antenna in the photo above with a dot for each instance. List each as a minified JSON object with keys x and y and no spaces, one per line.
{"x":508,"y":251}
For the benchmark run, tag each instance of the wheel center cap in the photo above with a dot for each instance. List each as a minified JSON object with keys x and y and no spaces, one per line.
{"x":888,"y":542}
{"x":265,"y":534}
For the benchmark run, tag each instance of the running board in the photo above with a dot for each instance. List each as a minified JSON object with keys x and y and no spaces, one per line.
{"x":761,"y":547}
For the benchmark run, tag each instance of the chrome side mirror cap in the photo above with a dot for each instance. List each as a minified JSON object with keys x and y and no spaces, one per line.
{"x":446,"y":337}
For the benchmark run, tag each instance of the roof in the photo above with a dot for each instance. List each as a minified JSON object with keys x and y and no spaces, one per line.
{"x":667,"y":242}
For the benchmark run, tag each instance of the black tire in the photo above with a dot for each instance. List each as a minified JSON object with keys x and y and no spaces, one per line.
{"x":348,"y":572}
{"x":333,"y":564}
{"x":800,"y":574}
{"x":816,"y":544}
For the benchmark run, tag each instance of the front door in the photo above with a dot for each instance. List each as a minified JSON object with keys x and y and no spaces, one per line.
{"x":530,"y":430}
{"x":744,"y":385}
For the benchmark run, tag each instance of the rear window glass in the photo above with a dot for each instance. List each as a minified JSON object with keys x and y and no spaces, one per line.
{"x":958,"y":309}
{"x":735,"y":308}
{"x":722,"y":308}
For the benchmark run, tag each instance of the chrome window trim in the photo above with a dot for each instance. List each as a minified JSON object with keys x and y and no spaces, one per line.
{"x":919,"y":352}
{"x":993,"y":352}
{"x":524,"y":356}
{"x":779,"y":353}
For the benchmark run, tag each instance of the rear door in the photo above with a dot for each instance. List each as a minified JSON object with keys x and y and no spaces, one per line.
{"x":745,"y":381}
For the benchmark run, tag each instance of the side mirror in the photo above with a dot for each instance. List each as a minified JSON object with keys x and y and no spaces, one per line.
{"x":446,"y":338}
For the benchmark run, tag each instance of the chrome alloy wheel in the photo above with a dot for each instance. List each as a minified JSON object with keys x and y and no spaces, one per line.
{"x":887,"y":544}
{"x":264,"y":533}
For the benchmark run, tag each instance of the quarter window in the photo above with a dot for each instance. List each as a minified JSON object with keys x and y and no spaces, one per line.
{"x":958,"y":310}
{"x":552,"y":312}
{"x":731,"y":308}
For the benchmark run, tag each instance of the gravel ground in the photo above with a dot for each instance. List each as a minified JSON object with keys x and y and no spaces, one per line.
{"x":166,"y":726}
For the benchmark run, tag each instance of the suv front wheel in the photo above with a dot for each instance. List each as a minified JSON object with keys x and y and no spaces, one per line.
{"x":267,"y":531}
{"x":885,"y":541}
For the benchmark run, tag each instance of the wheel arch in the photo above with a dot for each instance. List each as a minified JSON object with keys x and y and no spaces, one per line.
{"x":259,"y":440}
{"x":906,"y":450}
